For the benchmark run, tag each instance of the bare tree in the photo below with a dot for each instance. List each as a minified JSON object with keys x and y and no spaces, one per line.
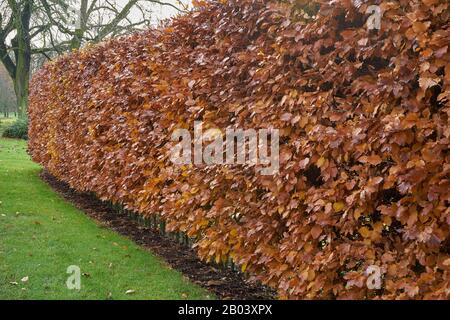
{"x":7,"y":97}
{"x":37,"y":30}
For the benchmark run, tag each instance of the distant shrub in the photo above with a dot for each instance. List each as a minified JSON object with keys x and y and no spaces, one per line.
{"x":17,"y":130}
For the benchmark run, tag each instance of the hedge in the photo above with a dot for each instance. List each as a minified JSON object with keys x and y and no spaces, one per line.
{"x":364,"y":139}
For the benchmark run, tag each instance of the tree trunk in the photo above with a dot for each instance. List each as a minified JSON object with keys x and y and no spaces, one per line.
{"x":22,"y":53}
{"x":75,"y":42}
{"x":21,"y":88}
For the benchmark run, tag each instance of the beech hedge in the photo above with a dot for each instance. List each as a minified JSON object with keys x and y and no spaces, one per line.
{"x":363,"y":116}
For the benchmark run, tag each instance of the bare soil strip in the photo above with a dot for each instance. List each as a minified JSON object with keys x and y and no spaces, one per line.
{"x":224,"y":283}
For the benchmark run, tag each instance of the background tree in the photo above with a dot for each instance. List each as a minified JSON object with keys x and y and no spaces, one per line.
{"x":7,"y":97}
{"x":33,"y":31}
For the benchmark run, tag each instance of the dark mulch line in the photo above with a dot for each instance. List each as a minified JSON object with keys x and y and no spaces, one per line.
{"x":224,"y":283}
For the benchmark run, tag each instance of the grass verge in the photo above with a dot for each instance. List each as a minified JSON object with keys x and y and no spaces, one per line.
{"x":41,"y":235}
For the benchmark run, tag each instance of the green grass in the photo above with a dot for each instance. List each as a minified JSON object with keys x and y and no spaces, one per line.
{"x":41,"y":235}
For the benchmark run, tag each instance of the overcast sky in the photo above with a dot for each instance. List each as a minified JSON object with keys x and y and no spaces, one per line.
{"x":162,"y":12}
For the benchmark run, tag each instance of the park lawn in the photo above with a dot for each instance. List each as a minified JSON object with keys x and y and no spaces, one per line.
{"x":41,"y":235}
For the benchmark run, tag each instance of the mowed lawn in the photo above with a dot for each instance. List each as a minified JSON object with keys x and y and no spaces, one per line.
{"x":41,"y":235}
